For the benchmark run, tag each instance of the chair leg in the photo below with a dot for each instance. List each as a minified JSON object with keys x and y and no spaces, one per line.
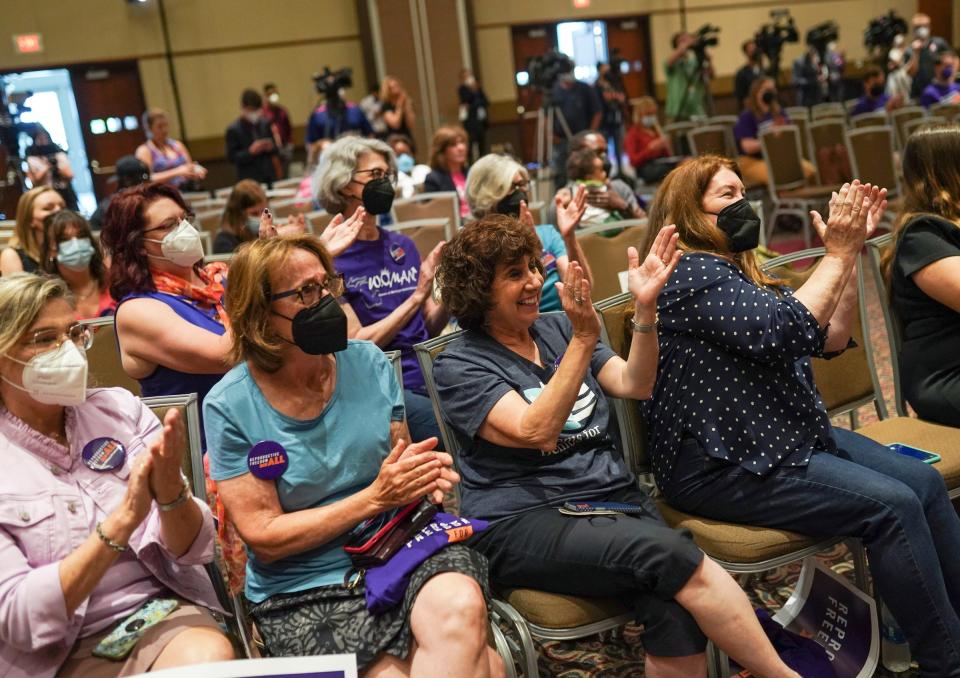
{"x":528,"y":650}
{"x":503,"y":649}
{"x":859,"y":565}
{"x":718,"y":664}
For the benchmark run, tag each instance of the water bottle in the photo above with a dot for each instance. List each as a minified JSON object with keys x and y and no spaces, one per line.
{"x":894,"y":651}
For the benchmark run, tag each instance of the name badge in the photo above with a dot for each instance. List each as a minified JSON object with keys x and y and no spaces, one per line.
{"x":104,"y":454}
{"x":267,"y":460}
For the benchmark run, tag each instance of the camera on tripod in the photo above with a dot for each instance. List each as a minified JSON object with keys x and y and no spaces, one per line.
{"x":881,"y":34}
{"x":822,"y":35}
{"x":547,"y":68}
{"x":706,"y":36}
{"x":329,"y":83}
{"x":771,"y":37}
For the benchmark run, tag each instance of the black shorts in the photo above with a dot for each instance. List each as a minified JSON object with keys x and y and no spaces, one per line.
{"x":635,"y":558}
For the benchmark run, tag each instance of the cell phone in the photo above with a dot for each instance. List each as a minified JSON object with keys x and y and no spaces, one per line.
{"x":925,"y":456}
{"x":120,"y":642}
{"x":599,"y":508}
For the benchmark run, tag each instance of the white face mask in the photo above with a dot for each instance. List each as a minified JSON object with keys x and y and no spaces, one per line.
{"x":182,"y":245}
{"x":922,"y":32}
{"x":649,"y":121}
{"x":252,"y":116}
{"x":56,"y":377}
{"x":274,"y":98}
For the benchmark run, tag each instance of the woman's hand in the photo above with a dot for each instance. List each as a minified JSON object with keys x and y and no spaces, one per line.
{"x":846,"y":226}
{"x":136,"y":502}
{"x":296,"y":224}
{"x":408,"y":473}
{"x":647,"y":279}
{"x":166,"y":454}
{"x":878,"y":196}
{"x":575,"y":296}
{"x":526,"y":216}
{"x":267,"y":227}
{"x":569,"y":216}
{"x":340,"y":233}
{"x":448,"y":477}
{"x":428,"y":271}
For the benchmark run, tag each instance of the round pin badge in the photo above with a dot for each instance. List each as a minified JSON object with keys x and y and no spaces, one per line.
{"x":104,"y":454}
{"x":267,"y":460}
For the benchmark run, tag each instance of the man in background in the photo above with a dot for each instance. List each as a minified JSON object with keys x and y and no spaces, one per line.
{"x":130,"y":172}
{"x":473,"y":113}
{"x":747,"y":73}
{"x":250,"y":142}
{"x":922,"y":54}
{"x":686,"y":74}
{"x":578,"y":108}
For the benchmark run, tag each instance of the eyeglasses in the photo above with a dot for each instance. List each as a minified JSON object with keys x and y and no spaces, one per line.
{"x":172,"y":223}
{"x":78,"y":333}
{"x":523,"y":185}
{"x":312,"y":292}
{"x":379,"y":173}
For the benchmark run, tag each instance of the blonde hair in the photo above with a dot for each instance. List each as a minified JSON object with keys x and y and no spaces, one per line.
{"x":490,"y":181}
{"x":248,"y":292}
{"x":24,"y":235}
{"x":645,"y":103}
{"x":22,"y":297}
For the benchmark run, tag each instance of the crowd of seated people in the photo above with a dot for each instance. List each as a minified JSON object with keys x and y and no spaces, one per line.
{"x":284,"y":344}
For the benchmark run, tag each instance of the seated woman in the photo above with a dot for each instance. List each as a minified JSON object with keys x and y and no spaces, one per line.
{"x":167,"y":159}
{"x":448,"y":161}
{"x":74,"y":255}
{"x":736,"y":414}
{"x":762,"y":111}
{"x":499,"y":184}
{"x":527,"y":397}
{"x":241,"y":216}
{"x":334,"y":406}
{"x":389,"y":291}
{"x":410,"y":174}
{"x":89,"y":536}
{"x":24,"y":251}
{"x":647,"y":146}
{"x":925,"y":275}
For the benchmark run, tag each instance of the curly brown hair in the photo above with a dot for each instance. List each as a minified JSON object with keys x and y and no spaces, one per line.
{"x":469,"y":262}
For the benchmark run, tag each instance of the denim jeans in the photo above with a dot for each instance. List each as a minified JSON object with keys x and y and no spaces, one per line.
{"x":420,"y":419}
{"x":896,"y":505}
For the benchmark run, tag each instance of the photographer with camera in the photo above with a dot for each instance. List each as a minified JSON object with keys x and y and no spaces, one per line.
{"x":335,"y":116}
{"x":749,"y":72}
{"x":922,"y":54}
{"x":578,"y":109}
{"x":251,"y":146}
{"x":688,"y":70}
{"x":48,"y":165}
{"x":810,"y":78}
{"x":613,"y":99}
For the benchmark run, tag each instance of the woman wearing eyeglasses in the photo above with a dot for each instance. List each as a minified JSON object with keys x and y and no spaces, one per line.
{"x":172,"y":331}
{"x":96,"y":520}
{"x":388,"y":290}
{"x":332,"y":410}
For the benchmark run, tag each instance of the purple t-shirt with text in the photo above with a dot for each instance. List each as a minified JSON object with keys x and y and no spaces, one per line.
{"x":378,"y":276}
{"x":749,"y":127}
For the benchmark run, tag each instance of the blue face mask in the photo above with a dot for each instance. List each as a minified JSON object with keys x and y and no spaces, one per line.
{"x":253,"y":225}
{"x":75,"y":253}
{"x":405,"y":163}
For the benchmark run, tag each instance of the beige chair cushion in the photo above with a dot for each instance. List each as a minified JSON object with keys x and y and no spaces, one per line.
{"x":733,"y":543}
{"x":560,"y":611}
{"x":809,"y":193}
{"x":944,"y":440}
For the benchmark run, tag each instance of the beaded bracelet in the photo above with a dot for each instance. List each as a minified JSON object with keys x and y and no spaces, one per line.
{"x":119,"y":548}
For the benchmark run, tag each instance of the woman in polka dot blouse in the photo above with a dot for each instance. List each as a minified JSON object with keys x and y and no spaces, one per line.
{"x":738,"y":430}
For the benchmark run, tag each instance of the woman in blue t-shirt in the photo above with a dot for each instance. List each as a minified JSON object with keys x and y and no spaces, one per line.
{"x":498,"y":184}
{"x":527,"y":397}
{"x":331,"y":410}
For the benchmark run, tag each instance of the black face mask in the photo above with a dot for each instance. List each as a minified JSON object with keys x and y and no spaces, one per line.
{"x":378,"y":196}
{"x":511,"y":204}
{"x":769,"y":97}
{"x":741,"y":224}
{"x":321,"y":328}
{"x":876,"y":91}
{"x":607,"y":165}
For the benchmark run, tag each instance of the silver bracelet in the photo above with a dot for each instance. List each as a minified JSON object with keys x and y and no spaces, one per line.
{"x":184,"y":495}
{"x":119,"y":548}
{"x":645,"y":329}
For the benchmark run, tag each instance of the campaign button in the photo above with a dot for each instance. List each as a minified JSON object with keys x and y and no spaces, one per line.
{"x":267,"y":460}
{"x":104,"y":454}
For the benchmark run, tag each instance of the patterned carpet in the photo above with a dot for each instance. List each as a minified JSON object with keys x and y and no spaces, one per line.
{"x":619,"y":653}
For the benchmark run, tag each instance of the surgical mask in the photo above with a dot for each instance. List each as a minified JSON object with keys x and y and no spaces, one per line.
{"x":378,"y":196}
{"x":922,"y":32}
{"x":741,"y":225}
{"x":769,"y":97}
{"x":876,"y":91}
{"x":56,"y":377}
{"x":405,"y":163}
{"x":274,"y":98}
{"x":649,"y":120}
{"x":320,"y":329}
{"x":182,"y":245}
{"x":252,"y":116}
{"x":253,"y":225}
{"x":947,"y":73}
{"x":75,"y":253}
{"x":511,"y":204}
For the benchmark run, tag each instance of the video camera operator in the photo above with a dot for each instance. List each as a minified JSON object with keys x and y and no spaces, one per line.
{"x":613,"y":99}
{"x":335,"y":116}
{"x":689,"y":70}
{"x":577,"y":105}
{"x":771,"y":38}
{"x":810,"y":78}
{"x":749,"y":72}
{"x":48,"y":165}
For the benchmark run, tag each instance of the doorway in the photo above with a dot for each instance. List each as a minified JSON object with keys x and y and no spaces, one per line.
{"x":48,"y":101}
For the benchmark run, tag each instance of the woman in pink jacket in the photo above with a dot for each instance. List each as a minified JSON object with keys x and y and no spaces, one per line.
{"x":96,"y":519}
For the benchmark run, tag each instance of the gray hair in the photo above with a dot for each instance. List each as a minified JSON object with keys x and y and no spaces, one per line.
{"x":22,"y":297}
{"x":336,"y":167}
{"x":490,"y":181}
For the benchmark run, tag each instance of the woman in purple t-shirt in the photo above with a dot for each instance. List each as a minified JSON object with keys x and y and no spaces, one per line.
{"x":387,"y":289}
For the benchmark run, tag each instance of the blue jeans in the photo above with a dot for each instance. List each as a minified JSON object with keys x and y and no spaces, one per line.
{"x":896,"y":505}
{"x":420,"y":419}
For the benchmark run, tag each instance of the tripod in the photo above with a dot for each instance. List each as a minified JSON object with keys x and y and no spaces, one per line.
{"x":548,"y":115}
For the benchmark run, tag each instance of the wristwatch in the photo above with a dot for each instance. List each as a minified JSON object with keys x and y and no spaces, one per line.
{"x":645,"y":329}
{"x":184,"y":495}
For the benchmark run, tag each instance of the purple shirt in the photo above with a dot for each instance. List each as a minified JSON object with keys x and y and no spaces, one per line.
{"x":867,"y":105}
{"x":378,"y":276}
{"x":50,"y":505}
{"x":934,"y":93}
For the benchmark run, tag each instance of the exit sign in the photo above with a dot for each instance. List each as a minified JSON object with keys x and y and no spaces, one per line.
{"x":28,"y":43}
